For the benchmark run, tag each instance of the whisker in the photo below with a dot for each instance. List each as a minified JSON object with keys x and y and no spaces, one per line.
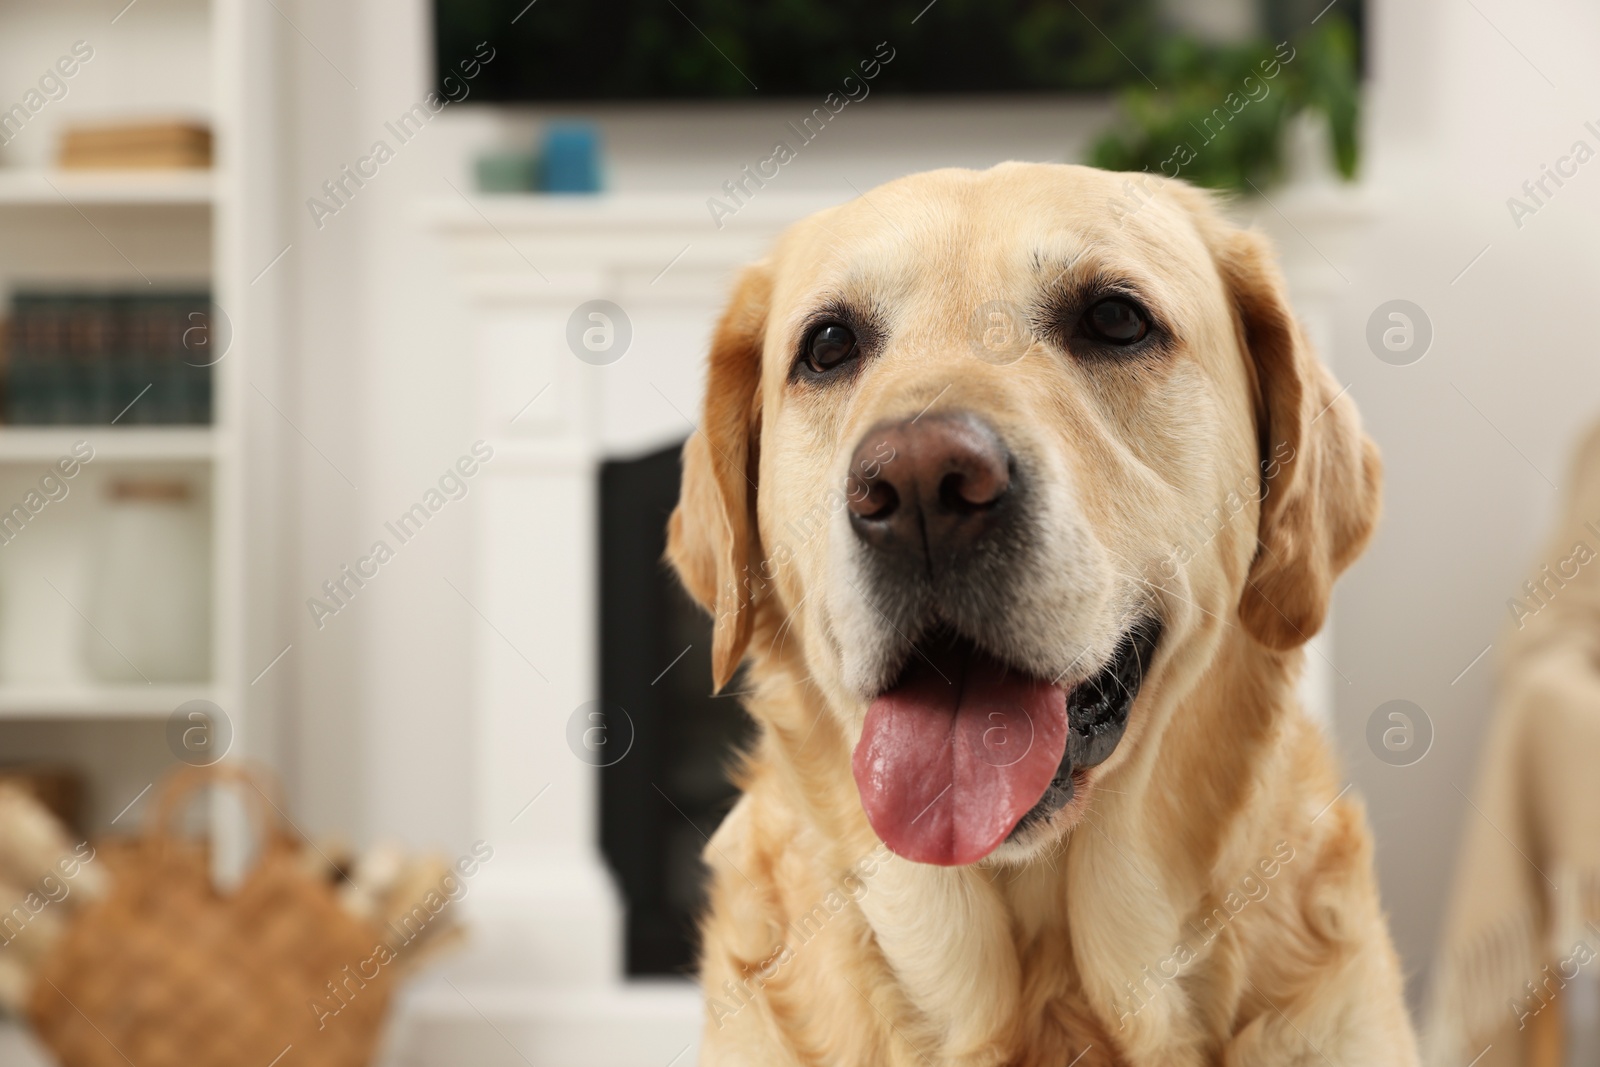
{"x":1166,"y":590}
{"x":788,"y":622}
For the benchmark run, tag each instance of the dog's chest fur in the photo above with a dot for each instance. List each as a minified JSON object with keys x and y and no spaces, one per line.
{"x":794,"y":958}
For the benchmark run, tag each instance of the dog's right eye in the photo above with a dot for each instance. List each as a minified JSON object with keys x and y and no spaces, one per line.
{"x":828,"y":346}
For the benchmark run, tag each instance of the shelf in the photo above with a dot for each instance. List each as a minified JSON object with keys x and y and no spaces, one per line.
{"x":63,"y":188}
{"x":92,"y":700}
{"x":22,"y":444}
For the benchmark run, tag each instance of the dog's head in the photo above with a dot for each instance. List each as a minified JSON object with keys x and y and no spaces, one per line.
{"x":1009,"y":454}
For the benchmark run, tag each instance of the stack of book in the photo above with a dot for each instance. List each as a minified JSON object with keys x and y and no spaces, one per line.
{"x":136,"y":145}
{"x":84,"y":358}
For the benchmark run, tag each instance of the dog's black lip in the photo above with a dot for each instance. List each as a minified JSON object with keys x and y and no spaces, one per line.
{"x":1097,"y":716}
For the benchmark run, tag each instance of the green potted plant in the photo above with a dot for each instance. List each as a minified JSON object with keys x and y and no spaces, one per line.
{"x":1222,"y":114}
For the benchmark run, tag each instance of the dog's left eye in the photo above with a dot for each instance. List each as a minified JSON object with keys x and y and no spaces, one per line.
{"x":1116,"y":321}
{"x":829,"y":346}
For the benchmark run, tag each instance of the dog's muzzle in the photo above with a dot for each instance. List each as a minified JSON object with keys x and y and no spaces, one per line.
{"x":960,"y":749}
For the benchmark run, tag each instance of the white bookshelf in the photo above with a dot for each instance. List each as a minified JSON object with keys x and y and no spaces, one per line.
{"x":42,"y":444}
{"x":129,"y":231}
{"x":67,"y":700}
{"x":30,"y":187}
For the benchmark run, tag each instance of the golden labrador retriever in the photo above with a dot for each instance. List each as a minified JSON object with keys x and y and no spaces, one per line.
{"x":1020,"y":506}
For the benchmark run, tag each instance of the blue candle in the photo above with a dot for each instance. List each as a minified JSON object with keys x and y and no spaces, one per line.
{"x":571,"y":159}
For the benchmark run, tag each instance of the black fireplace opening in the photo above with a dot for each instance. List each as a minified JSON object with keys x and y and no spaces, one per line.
{"x":661,"y":801}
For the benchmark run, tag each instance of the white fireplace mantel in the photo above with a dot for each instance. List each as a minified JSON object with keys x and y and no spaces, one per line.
{"x":545,"y":970}
{"x":545,"y":967}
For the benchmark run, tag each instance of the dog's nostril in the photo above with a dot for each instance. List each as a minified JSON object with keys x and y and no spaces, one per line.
{"x":980,"y":483}
{"x":973,"y":490}
{"x":880,"y":502}
{"x":952,"y":492}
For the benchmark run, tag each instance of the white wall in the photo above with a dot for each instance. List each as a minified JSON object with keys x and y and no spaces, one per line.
{"x":1460,"y":120}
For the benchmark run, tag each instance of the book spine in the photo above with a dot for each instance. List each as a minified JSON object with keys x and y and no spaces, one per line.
{"x":84,"y":358}
{"x":18,"y":356}
{"x":202,"y":379}
{"x":99,"y":398}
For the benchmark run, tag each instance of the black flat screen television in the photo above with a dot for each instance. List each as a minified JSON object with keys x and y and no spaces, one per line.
{"x":641,"y":50}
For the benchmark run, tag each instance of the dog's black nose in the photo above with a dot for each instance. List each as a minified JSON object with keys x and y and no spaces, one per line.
{"x":928,"y":487}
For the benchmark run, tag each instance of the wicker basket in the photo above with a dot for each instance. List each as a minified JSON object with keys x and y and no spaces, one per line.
{"x":166,"y":971}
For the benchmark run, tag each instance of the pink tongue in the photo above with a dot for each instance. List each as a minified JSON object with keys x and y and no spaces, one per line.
{"x":951,"y":759}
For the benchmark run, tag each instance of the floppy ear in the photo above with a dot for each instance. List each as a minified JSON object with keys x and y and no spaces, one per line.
{"x":1320,"y":474}
{"x":712,"y":538}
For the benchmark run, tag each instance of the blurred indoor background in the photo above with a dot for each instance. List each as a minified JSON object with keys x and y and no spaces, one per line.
{"x":287,"y":280}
